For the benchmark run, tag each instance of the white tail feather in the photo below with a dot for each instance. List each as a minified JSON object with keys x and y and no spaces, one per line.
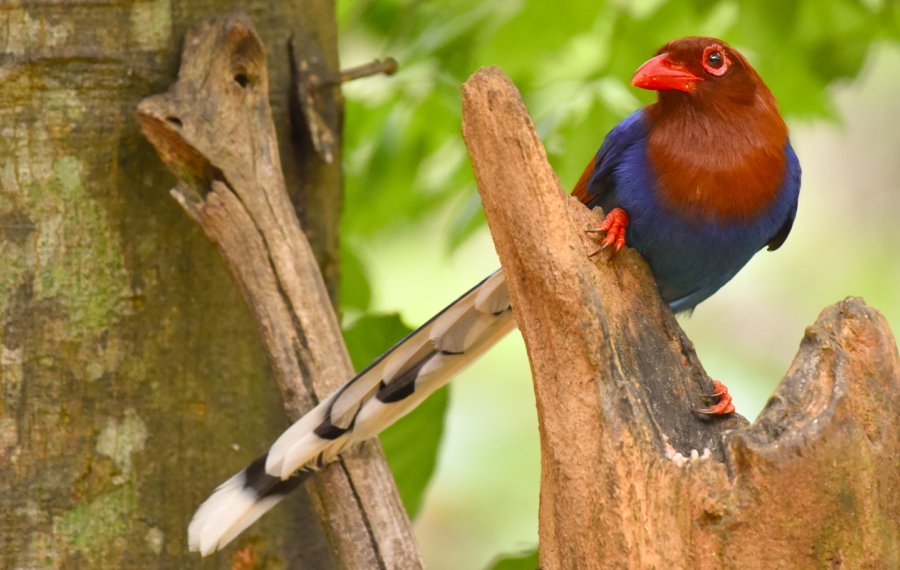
{"x":493,"y":296}
{"x":371,"y":401}
{"x":225,"y":514}
{"x":375,"y":416}
{"x":413,"y":348}
{"x":292,"y":435}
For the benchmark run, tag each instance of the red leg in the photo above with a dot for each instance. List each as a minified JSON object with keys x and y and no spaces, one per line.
{"x":614,"y":226}
{"x":724,"y":406}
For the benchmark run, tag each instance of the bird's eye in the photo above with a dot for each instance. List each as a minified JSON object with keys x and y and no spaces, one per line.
{"x":715,"y":61}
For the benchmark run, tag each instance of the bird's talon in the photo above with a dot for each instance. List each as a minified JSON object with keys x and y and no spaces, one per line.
{"x":614,"y":225}
{"x":723,"y":407}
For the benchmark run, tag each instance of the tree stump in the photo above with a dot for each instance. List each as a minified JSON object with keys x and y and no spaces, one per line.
{"x":630,"y":477}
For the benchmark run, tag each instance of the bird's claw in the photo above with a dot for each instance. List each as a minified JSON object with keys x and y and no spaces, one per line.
{"x":723,"y":407}
{"x":614,"y":225}
{"x":719,"y":389}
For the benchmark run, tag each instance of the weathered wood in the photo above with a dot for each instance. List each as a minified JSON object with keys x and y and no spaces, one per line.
{"x":313,"y":171}
{"x":629,"y":476}
{"x":214,"y":130}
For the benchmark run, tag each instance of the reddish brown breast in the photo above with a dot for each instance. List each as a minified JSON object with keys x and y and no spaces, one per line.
{"x":719,"y":151}
{"x":715,"y":179}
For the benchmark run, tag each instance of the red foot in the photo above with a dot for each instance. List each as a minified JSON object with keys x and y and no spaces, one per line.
{"x":614,"y":225}
{"x":725,"y":404}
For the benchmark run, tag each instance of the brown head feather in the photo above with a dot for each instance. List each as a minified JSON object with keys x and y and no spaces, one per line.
{"x":717,"y":150}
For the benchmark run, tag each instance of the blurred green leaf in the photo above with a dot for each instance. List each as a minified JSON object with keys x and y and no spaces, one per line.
{"x":523,"y":561}
{"x":355,"y":290}
{"x":467,"y":218}
{"x":370,"y":336}
{"x":411,"y":445}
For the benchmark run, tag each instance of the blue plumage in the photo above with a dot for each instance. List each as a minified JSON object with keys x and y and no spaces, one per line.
{"x":690,"y":258}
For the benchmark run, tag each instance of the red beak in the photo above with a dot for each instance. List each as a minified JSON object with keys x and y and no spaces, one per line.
{"x":660,"y":74}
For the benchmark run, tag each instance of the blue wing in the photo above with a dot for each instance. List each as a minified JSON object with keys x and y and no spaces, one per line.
{"x":597,"y":184}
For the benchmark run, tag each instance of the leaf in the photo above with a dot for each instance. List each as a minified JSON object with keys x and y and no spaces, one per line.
{"x":522,"y":561}
{"x":356,"y":293}
{"x":411,"y":445}
{"x":467,"y":219}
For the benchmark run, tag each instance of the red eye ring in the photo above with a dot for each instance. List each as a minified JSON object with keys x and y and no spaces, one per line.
{"x":715,"y":61}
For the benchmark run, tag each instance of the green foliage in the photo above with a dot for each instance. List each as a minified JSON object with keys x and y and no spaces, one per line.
{"x":411,"y":445}
{"x":356,"y":294}
{"x":405,"y":155}
{"x":522,"y":561}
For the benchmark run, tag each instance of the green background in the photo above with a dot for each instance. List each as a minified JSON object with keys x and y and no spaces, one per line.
{"x":414,"y":236}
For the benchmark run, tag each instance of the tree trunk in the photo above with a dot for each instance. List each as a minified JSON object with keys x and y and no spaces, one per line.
{"x":133,"y":378}
{"x":629,"y":476}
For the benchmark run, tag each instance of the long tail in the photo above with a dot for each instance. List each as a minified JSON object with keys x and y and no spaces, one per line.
{"x":388,"y":389}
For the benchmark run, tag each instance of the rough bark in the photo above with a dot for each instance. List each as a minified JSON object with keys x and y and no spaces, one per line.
{"x":131,"y":374}
{"x":626,"y":479}
{"x":215,"y":130}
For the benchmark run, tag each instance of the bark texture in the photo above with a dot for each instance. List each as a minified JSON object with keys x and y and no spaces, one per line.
{"x":214,"y":129}
{"x":132,"y":378}
{"x":629,"y":476}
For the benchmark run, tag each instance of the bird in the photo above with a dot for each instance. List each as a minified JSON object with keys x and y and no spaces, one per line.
{"x":697,"y":182}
